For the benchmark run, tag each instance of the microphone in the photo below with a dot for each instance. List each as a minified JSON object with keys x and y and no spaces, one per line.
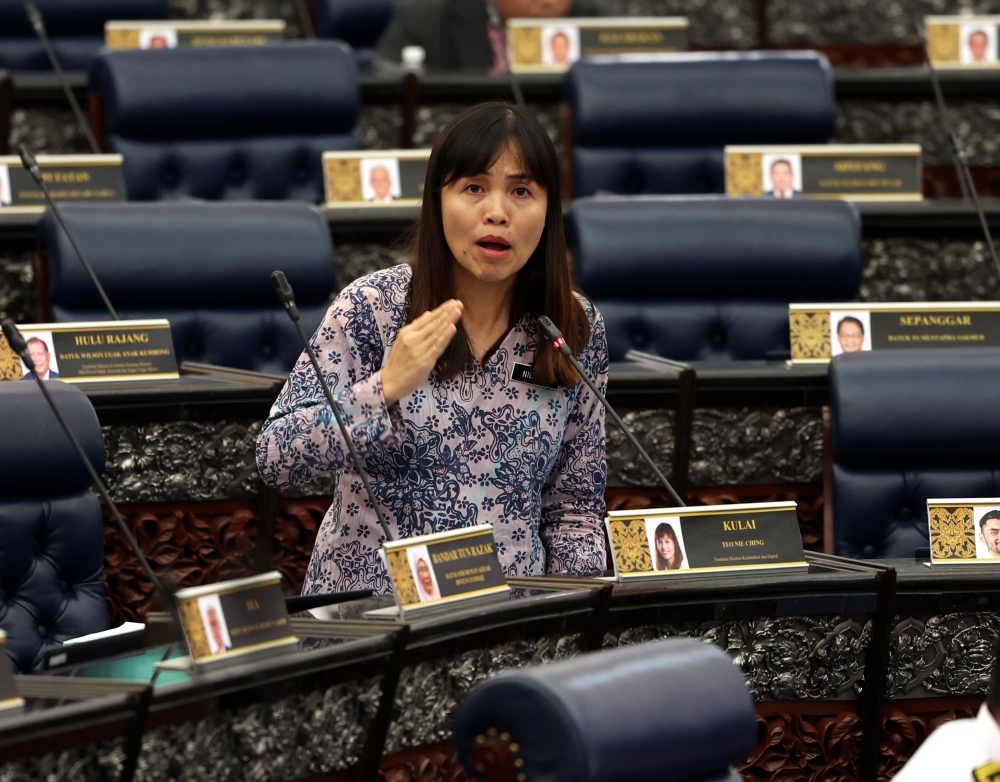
{"x":287,"y":297}
{"x":16,"y":341}
{"x":38,"y":24}
{"x":551,"y":333}
{"x":31,"y":166}
{"x":965,"y":180}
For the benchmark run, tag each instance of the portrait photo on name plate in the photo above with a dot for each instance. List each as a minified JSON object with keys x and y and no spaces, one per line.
{"x":987,"y":521}
{"x":782,"y":175}
{"x":977,"y":44}
{"x":214,"y":622}
{"x":423,"y":573}
{"x":666,"y":543}
{"x":560,"y":46}
{"x":43,"y":355}
{"x":850,"y":332}
{"x":380,"y":180}
{"x":158,"y":39}
{"x":6,"y":197}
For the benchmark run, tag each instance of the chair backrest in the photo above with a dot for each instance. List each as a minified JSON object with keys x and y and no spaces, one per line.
{"x":659,"y":126}
{"x":710,"y":278}
{"x":228,"y":123}
{"x":76,"y":29}
{"x":358,"y":22}
{"x":909,"y":425}
{"x":51,"y":526}
{"x":205,"y":267}
{"x":668,"y":710}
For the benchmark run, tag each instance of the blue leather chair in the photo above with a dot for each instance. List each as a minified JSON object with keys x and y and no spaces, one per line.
{"x":663,"y":711}
{"x":205,"y":267}
{"x":358,"y":22}
{"x":232,"y":123}
{"x":660,"y":126}
{"x":76,"y":28}
{"x":710,"y":278}
{"x":909,"y":425}
{"x":52,"y":554}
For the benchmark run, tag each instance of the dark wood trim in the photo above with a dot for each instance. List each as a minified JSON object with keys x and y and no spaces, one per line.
{"x":829,"y":536}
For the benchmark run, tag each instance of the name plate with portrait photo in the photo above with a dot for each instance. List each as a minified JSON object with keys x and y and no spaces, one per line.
{"x":176,"y":32}
{"x":962,"y":41}
{"x":68,"y":178}
{"x":849,"y":172}
{"x":547,"y":45}
{"x":964,"y":531}
{"x":668,"y":542}
{"x":97,"y":351}
{"x":819,"y":332}
{"x":445,"y":568}
{"x":375,"y":178}
{"x":242,"y":618}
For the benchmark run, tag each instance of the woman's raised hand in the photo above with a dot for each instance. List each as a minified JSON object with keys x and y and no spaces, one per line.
{"x":417,"y":348}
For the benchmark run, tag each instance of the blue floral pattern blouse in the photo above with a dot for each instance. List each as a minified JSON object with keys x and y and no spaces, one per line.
{"x":479,"y":448}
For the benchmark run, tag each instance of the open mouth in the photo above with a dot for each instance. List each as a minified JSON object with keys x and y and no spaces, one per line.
{"x":493,"y":245}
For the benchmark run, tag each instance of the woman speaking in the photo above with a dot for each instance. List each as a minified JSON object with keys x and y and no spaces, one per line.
{"x":462,"y":413}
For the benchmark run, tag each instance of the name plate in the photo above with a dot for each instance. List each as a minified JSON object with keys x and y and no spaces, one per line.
{"x":854,"y":172}
{"x":390,"y":176}
{"x":962,"y":41}
{"x":174,"y":33}
{"x":540,"y":45}
{"x":821,"y":331}
{"x":92,"y":352}
{"x":239,"y":618}
{"x":964,"y":531}
{"x":68,"y":178}
{"x":662,"y":543}
{"x":9,"y":697}
{"x":444,"y":568}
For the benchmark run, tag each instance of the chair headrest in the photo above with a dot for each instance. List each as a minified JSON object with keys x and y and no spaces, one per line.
{"x":662,"y":711}
{"x":36,"y":457}
{"x":168,"y":254}
{"x":703,"y":99}
{"x":917,"y":407}
{"x":300,"y":87}
{"x":72,"y":17}
{"x":672,"y":247}
{"x":355,"y":21}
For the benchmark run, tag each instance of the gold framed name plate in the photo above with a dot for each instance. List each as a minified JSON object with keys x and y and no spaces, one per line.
{"x":850,"y":172}
{"x":962,"y":41}
{"x":547,"y":45}
{"x":432,"y":571}
{"x":204,"y":32}
{"x":670,"y":542}
{"x":964,"y":531}
{"x":375,"y":178}
{"x":242,"y":618}
{"x":68,"y":178}
{"x":94,"y":352}
{"x":819,"y":332}
{"x":9,"y":696}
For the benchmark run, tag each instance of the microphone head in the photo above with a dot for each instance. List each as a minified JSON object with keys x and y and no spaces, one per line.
{"x":14,"y":337}
{"x":28,"y":160}
{"x":548,"y":328}
{"x":34,"y":17}
{"x":282,"y":287}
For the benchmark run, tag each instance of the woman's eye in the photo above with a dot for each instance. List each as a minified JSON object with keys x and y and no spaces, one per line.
{"x":474,"y":188}
{"x":522,"y":192}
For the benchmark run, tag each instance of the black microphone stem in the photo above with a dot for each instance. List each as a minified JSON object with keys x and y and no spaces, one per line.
{"x":28,"y":159}
{"x":965,"y":180}
{"x":38,"y":25}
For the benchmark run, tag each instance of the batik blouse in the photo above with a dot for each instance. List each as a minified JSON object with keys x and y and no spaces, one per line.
{"x":486,"y":446}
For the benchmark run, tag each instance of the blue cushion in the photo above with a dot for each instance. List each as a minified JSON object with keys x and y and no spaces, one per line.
{"x":52,"y":557}
{"x":638,"y":171}
{"x":359,"y":22}
{"x":229,"y":123}
{"x":663,"y":711}
{"x":27,"y":54}
{"x":909,"y":425}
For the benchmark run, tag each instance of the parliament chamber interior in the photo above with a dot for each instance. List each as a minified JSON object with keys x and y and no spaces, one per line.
{"x":742,"y":542}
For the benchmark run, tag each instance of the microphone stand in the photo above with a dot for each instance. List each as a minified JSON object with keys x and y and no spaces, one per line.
{"x":17,"y":344}
{"x":965,"y":180}
{"x":549,"y":330}
{"x":38,"y":24}
{"x":31,"y":165}
{"x":287,"y":297}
